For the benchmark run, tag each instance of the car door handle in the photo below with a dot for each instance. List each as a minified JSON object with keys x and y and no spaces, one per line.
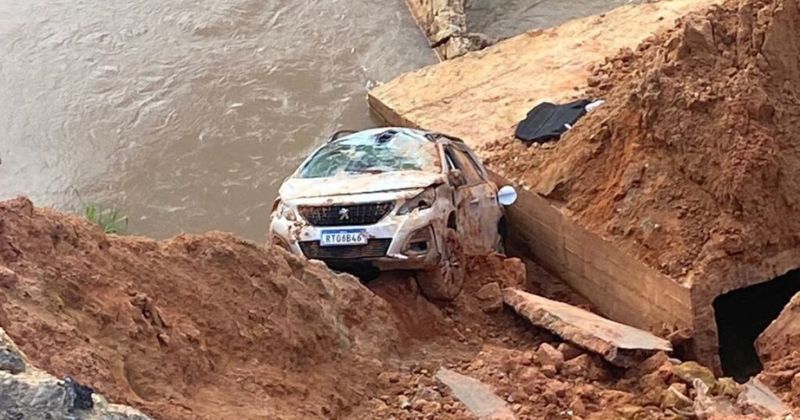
{"x":475,"y":201}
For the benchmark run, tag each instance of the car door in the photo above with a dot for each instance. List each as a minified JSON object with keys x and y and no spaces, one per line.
{"x":476,"y":203}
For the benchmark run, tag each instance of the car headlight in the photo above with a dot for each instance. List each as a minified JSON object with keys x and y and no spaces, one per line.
{"x":283,"y":211}
{"x":421,"y":202}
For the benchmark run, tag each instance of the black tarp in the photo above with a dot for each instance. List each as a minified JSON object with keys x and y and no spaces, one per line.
{"x":547,"y":121}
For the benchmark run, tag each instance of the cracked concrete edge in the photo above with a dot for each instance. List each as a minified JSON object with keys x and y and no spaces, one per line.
{"x":620,"y":344}
{"x":444,"y":23}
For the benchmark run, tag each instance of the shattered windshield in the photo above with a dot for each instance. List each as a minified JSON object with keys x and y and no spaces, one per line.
{"x":373,"y":153}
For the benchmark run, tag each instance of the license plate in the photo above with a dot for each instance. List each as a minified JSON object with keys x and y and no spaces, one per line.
{"x":343,"y":237}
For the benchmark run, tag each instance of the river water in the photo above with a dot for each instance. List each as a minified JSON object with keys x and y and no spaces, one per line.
{"x":186,"y":114}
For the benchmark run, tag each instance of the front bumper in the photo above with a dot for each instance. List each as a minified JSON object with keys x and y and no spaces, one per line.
{"x":408,"y":242}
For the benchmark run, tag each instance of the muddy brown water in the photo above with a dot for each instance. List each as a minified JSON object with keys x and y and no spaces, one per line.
{"x":505,"y":18}
{"x":186,"y":114}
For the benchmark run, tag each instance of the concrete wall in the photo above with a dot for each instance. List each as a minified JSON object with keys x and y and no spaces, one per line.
{"x":620,"y":286}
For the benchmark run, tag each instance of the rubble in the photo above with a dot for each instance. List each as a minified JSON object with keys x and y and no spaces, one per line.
{"x":758,"y":395}
{"x":490,"y":297}
{"x":211,"y":326}
{"x":477,"y":396}
{"x":626,"y":202}
{"x":620,"y":344}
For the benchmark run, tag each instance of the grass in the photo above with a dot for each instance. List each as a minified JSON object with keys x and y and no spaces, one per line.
{"x":110,"y":219}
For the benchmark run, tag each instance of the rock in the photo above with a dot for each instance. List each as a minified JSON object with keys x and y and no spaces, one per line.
{"x":653,"y":386}
{"x":569,"y":351}
{"x":8,"y":278}
{"x":628,"y":411}
{"x":577,"y":407}
{"x":34,"y":394}
{"x":652,"y":364}
{"x":516,"y":272}
{"x":584,"y":366}
{"x":549,"y":355}
{"x":428,"y":393}
{"x":11,"y":359}
{"x":549,"y":370}
{"x":674,"y":398}
{"x":403,"y":402}
{"x":727,"y":387}
{"x":688,"y":371}
{"x":490,"y":297}
{"x":426,"y":407}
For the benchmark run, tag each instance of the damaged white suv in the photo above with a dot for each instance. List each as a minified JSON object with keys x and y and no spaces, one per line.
{"x":393,"y":199}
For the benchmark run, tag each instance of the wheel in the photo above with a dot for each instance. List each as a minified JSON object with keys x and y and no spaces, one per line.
{"x":445,"y":281}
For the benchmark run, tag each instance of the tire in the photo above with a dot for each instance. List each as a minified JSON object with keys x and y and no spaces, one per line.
{"x":445,"y":281}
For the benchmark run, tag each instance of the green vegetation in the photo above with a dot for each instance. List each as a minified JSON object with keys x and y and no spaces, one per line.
{"x":110,"y":219}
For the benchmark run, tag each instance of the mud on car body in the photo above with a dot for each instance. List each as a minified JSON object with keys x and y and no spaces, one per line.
{"x":393,"y":199}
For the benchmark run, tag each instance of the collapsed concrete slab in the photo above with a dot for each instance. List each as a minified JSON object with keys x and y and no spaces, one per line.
{"x":477,"y":396}
{"x":620,"y":344}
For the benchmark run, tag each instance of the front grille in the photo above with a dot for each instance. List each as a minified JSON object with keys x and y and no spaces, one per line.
{"x":350,"y":215}
{"x":375,"y":248}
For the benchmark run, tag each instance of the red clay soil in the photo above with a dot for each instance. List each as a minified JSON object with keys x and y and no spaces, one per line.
{"x":693,"y":163}
{"x":196,"y":327}
{"x":214,"y":327}
{"x":779,"y":349}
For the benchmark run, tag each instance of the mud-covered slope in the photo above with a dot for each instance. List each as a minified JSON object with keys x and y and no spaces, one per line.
{"x":693,"y":163}
{"x":206,"y":326}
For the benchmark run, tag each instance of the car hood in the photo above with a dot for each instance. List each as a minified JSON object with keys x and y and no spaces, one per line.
{"x":295,"y":188}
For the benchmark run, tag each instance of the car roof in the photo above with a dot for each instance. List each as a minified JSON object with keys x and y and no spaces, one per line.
{"x":422,"y":135}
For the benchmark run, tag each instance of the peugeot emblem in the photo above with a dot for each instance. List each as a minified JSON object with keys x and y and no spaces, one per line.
{"x":344,"y":214}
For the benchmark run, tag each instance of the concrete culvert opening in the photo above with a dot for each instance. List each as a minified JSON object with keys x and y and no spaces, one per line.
{"x":743,"y":314}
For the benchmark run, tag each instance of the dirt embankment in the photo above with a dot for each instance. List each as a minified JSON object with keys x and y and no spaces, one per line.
{"x":693,"y":163}
{"x":206,"y":326}
{"x":215,"y":327}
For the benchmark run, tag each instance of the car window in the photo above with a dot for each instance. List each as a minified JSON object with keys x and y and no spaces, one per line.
{"x":463,"y":163}
{"x":372,"y":153}
{"x":452,"y":163}
{"x":473,"y":160}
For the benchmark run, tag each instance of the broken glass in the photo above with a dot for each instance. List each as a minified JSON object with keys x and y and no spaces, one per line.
{"x":374,"y":153}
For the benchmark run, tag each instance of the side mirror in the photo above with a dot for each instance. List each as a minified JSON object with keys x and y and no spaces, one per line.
{"x":456,"y":178}
{"x":507,"y":195}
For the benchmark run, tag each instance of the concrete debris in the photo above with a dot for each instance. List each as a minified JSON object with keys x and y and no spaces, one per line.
{"x":619,"y":344}
{"x":30,"y":393}
{"x":758,"y":395}
{"x":490,"y":297}
{"x":477,"y":396}
{"x":549,"y":355}
{"x":689,"y":371}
